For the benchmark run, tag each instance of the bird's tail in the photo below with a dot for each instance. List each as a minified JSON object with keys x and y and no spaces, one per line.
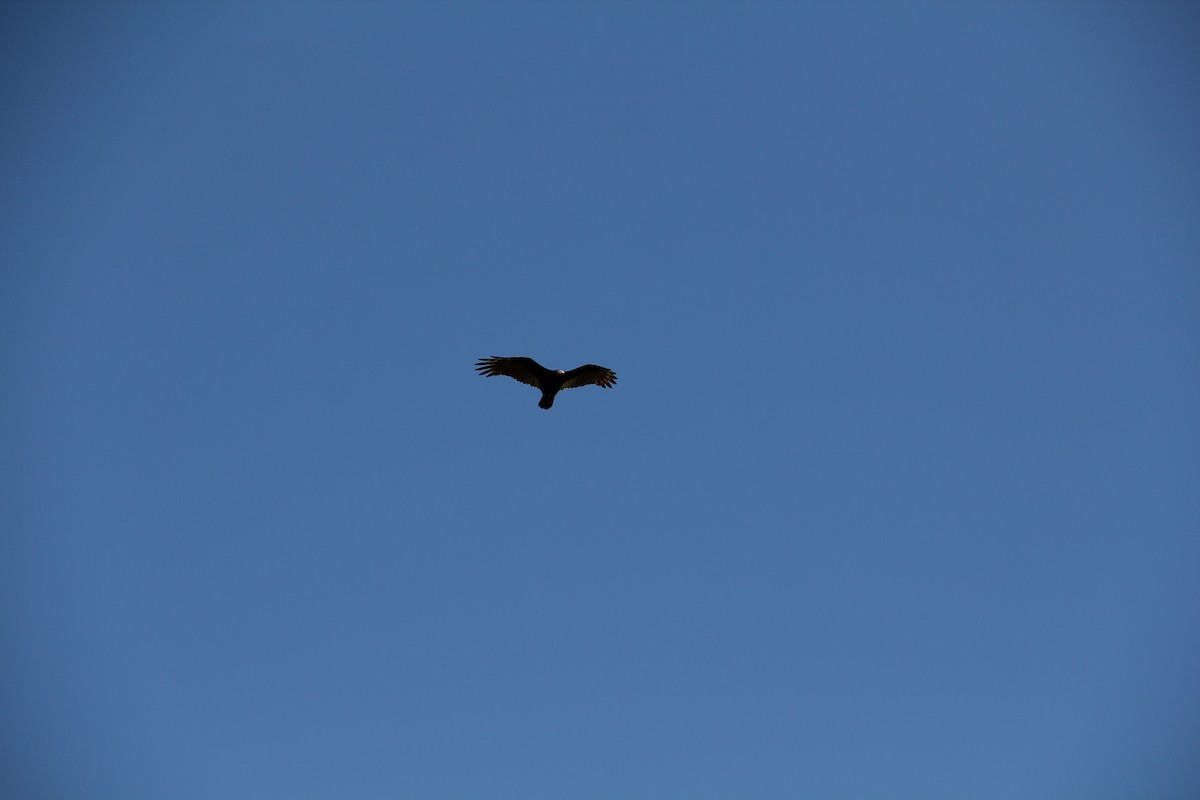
{"x":547,"y":400}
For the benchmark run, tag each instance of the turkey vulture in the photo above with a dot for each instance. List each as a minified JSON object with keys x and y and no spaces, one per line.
{"x":526,"y":370}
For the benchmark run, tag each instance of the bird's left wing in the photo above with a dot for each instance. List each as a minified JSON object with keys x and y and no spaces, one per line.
{"x":590,"y":374}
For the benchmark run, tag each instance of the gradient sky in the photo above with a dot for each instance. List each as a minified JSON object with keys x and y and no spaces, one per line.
{"x":898,"y":495}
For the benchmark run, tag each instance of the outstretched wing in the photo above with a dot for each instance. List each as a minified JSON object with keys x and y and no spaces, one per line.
{"x":590,"y":374}
{"x":526,"y":370}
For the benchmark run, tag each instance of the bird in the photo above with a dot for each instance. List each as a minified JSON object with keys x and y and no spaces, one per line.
{"x":550,"y":381}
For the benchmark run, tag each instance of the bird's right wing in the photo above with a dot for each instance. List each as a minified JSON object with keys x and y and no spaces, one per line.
{"x":526,"y":370}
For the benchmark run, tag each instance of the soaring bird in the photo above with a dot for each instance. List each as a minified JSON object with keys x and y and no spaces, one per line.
{"x":550,"y":381}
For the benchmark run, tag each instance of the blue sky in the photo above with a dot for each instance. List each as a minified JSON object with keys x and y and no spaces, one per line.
{"x":896,"y":496}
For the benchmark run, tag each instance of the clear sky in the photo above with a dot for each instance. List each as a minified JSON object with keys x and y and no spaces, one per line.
{"x":898,"y":494}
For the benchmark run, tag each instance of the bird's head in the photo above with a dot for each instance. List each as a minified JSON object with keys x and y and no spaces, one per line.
{"x":561,"y":372}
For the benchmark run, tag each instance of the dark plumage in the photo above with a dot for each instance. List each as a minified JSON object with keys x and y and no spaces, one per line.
{"x":550,"y":381}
